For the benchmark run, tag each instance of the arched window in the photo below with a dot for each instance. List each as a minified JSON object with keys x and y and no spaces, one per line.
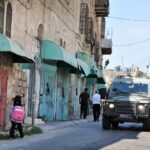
{"x":40,"y":32}
{"x":8,"y":20}
{"x":1,"y":15}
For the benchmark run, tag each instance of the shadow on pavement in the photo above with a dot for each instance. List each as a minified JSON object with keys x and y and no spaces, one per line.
{"x":125,"y":131}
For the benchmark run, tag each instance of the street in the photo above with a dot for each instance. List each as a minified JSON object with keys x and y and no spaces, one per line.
{"x":84,"y":136}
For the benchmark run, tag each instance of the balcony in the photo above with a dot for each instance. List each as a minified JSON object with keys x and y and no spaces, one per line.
{"x":106,"y":46}
{"x":102,"y":8}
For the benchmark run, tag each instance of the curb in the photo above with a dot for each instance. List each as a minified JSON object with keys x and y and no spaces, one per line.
{"x":63,"y":124}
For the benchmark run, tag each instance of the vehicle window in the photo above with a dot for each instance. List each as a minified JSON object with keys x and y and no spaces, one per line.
{"x":129,"y":88}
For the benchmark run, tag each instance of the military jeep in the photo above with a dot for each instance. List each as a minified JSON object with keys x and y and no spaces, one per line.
{"x":128,"y":100}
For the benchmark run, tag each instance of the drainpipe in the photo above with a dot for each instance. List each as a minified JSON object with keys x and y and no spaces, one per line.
{"x":34,"y":91}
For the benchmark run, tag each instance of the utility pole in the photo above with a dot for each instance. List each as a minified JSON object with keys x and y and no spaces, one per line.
{"x":132,"y":70}
{"x":34,"y":91}
{"x":122,"y":63}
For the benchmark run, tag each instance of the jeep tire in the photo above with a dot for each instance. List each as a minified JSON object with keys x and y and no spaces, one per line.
{"x":106,"y":122}
{"x":115,"y":124}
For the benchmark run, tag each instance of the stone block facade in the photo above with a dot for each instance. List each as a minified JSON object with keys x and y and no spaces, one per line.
{"x":55,"y":20}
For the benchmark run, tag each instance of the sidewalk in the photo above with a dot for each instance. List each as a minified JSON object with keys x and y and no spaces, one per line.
{"x":50,"y":126}
{"x":53,"y":125}
{"x":61,"y":124}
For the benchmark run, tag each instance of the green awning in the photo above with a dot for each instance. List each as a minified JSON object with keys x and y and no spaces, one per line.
{"x":101,"y":86}
{"x":83,"y":67}
{"x":52,"y":52}
{"x":88,"y":59}
{"x":100,"y":77}
{"x":19,"y":55}
{"x":90,"y":62}
{"x":91,"y":81}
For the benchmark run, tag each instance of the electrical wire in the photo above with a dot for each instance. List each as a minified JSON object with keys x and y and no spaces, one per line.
{"x":128,"y":19}
{"x":132,"y":44}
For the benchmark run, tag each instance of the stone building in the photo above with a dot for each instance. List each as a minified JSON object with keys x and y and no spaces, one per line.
{"x":50,"y":50}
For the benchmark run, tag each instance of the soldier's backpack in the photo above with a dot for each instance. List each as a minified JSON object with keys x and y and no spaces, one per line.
{"x":18,"y":113}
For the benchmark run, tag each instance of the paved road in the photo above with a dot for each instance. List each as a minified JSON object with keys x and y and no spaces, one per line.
{"x":87,"y":135}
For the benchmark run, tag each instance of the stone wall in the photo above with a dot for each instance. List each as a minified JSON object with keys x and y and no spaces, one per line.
{"x":60,"y":21}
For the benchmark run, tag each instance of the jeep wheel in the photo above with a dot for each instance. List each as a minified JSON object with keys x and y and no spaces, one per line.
{"x":146,"y":124}
{"x":106,"y":122}
{"x":115,"y":124}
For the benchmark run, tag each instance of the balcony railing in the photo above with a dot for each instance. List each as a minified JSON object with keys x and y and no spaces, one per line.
{"x":106,"y":46}
{"x":102,"y":8}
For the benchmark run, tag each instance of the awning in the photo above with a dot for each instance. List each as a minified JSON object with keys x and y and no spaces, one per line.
{"x":53,"y":53}
{"x":100,"y":77}
{"x":83,"y":67}
{"x":86,"y":58}
{"x":19,"y":55}
{"x":90,"y":62}
{"x":101,"y":86}
{"x":91,"y":81}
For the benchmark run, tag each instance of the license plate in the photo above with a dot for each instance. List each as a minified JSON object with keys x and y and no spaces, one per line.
{"x":125,"y":115}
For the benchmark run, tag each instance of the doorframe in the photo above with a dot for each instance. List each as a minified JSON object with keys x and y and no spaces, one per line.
{"x":4,"y":75}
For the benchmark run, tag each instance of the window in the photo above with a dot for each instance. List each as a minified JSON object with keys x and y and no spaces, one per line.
{"x":61,"y":42}
{"x":89,"y":38}
{"x":1,"y":15}
{"x":84,"y":13}
{"x":64,"y":44}
{"x":8,"y":20}
{"x":40,"y":32}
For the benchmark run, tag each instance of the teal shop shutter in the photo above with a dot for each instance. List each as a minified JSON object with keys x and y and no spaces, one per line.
{"x":47,"y":92}
{"x":76,"y":99}
{"x":62,"y":94}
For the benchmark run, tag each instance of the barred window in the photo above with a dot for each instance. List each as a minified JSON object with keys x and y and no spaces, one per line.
{"x":84,"y":13}
{"x":1,"y":15}
{"x":8,"y":20}
{"x":89,"y":38}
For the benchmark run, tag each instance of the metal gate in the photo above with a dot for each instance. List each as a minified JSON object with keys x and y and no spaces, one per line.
{"x":3,"y":93}
{"x":62,"y":94}
{"x":47,"y":93}
{"x":31,"y":89}
{"x":76,"y":98}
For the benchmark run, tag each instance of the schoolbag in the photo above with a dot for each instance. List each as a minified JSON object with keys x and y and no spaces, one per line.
{"x":18,"y":113}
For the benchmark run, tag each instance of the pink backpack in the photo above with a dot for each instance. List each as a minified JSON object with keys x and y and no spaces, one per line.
{"x":18,"y":113}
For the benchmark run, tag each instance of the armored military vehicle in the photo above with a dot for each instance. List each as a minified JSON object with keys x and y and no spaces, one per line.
{"x":128,"y":100}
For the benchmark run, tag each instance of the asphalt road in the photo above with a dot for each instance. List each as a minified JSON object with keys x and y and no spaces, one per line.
{"x":84,"y":136}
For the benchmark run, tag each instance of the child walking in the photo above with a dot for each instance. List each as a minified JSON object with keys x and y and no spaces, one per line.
{"x":17,"y":117}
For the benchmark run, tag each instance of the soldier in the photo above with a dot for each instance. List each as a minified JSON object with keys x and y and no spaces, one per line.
{"x":83,"y":100}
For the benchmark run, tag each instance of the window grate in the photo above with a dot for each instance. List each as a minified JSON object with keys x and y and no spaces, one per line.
{"x":84,"y":13}
{"x":89,"y":37}
{"x":8,"y":20}
{"x":1,"y":15}
{"x":103,"y":28}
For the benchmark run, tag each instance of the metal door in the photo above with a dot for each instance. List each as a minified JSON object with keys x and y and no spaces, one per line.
{"x":62,"y":94}
{"x":3,"y":93}
{"x":75,"y":98}
{"x":31,"y":89}
{"x":47,"y":93}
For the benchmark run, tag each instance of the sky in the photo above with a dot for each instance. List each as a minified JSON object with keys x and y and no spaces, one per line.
{"x":130,"y":38}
